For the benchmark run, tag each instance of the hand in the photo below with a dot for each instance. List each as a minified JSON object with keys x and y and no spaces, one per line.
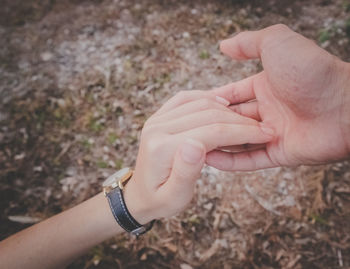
{"x":303,"y":93}
{"x":174,"y":142}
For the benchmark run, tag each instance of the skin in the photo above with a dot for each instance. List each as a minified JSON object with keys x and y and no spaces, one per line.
{"x":173,"y":146}
{"x":303,"y":93}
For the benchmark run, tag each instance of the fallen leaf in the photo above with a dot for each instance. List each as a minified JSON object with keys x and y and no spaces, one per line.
{"x":24,"y":219}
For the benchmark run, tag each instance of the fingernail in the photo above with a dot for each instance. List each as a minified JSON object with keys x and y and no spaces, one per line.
{"x":222,"y":100}
{"x":192,"y":151}
{"x":266,"y":129}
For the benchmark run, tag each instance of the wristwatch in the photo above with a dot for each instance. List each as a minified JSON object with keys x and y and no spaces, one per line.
{"x":113,"y":189}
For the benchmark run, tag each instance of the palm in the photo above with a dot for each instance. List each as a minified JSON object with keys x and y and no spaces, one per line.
{"x":299,"y":94}
{"x":300,"y":132}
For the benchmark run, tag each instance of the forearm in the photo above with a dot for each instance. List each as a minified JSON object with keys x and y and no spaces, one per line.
{"x":55,"y":242}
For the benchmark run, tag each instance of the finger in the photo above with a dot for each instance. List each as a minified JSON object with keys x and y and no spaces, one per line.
{"x":238,"y":92}
{"x":188,"y":96}
{"x":250,"y":44}
{"x":243,"y":46}
{"x":221,"y":134}
{"x":243,"y":161}
{"x":242,"y":148}
{"x":204,"y":118}
{"x":187,"y":165}
{"x":249,"y":110}
{"x":188,"y":108}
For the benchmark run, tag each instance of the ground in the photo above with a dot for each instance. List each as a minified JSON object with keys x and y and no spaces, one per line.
{"x":78,"y":80}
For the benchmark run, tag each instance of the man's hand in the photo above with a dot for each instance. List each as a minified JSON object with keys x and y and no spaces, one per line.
{"x":303,"y":93}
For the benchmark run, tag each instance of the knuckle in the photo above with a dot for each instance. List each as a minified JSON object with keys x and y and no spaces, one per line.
{"x":151,"y":127}
{"x":148,"y":122}
{"x":151,"y":145}
{"x":280,"y":27}
{"x":144,"y":134}
{"x":149,"y":132}
{"x":274,"y":35}
{"x":147,"y":127}
{"x":154,"y":145}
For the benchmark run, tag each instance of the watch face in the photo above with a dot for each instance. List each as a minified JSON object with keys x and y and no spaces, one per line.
{"x":115,"y":177}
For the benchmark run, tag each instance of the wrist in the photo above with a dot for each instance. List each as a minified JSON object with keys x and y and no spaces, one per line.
{"x":133,"y":197}
{"x":104,"y":216}
{"x":345,"y":108}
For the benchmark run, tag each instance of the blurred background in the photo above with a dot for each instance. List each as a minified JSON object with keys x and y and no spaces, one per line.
{"x":79,"y":78}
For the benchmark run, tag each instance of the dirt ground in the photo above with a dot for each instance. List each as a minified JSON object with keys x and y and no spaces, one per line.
{"x":78,"y":80}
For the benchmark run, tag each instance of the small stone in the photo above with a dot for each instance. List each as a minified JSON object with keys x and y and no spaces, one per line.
{"x":46,"y":56}
{"x":37,"y":169}
{"x":155,"y":32}
{"x":61,"y":102}
{"x":20,"y":156}
{"x":186,"y":35}
{"x":208,"y":206}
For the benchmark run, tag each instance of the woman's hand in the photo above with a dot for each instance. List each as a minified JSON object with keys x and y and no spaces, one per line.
{"x":174,"y":143}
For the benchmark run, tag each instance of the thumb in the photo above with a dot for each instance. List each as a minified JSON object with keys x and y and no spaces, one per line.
{"x":249,"y":44}
{"x":187,"y":165}
{"x":243,"y":46}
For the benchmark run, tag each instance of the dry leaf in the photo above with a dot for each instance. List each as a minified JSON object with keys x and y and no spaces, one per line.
{"x":24,"y":219}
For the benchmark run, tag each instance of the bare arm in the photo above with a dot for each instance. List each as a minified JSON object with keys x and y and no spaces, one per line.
{"x":55,"y":242}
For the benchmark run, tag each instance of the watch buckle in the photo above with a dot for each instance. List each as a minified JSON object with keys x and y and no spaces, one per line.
{"x":138,"y":231}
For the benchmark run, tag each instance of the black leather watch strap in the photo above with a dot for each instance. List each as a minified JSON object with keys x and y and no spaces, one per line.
{"x":122,"y":215}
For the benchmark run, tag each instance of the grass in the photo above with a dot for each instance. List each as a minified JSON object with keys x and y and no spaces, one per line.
{"x":112,"y":137}
{"x":347,"y":27}
{"x":86,"y":143}
{"x":204,"y":55}
{"x":319,"y":219}
{"x":62,"y":117}
{"x":118,"y":164}
{"x":346,"y":5}
{"x":324,"y":35}
{"x":102,"y":164}
{"x":163,"y":78}
{"x":95,"y":126}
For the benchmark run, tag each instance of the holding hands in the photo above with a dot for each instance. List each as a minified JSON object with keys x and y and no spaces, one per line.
{"x":296,"y":111}
{"x":174,"y":143}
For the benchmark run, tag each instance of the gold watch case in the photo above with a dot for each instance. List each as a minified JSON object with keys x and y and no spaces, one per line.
{"x":118,"y":179}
